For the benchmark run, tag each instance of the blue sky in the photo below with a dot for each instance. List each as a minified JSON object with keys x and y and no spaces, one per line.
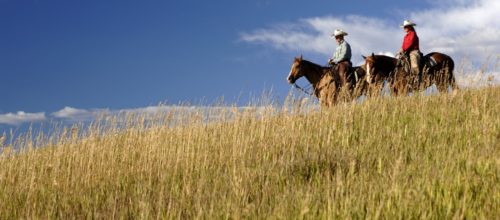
{"x":69,"y":57}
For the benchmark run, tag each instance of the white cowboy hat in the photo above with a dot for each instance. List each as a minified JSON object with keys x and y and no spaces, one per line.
{"x":338,"y":32}
{"x":408,"y":23}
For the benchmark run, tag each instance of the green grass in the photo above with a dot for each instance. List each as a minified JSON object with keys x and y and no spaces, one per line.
{"x":420,"y":157}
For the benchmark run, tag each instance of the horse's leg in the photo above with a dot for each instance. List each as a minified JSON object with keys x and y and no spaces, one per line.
{"x":334,"y":91}
{"x":332,"y":99}
{"x":403,"y":87}
{"x":323,"y":101}
{"x":346,"y":93}
{"x":407,"y":85}
{"x":356,"y":90}
{"x":375,"y":89}
{"x":395,"y":90}
{"x":360,"y":89}
{"x":442,"y":86}
{"x":393,"y":87}
{"x":440,"y":80}
{"x":364,"y":88}
{"x":325,"y":98}
{"x":400,"y":86}
{"x":426,"y":80}
{"x":453,"y":82}
{"x":380,"y":88}
{"x":431,"y":77}
{"x":369,"y":90}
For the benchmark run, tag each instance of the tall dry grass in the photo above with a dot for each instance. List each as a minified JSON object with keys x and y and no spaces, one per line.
{"x":430,"y":157}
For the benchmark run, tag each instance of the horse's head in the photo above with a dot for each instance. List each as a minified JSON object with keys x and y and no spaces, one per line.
{"x":370,"y":67}
{"x":296,"y":70}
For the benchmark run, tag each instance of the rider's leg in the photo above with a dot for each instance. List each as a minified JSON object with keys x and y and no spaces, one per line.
{"x":342,"y":70}
{"x":415,"y":65}
{"x":415,"y":61}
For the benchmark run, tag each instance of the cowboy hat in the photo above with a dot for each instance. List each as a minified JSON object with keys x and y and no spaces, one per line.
{"x":338,"y":32}
{"x":408,"y":23}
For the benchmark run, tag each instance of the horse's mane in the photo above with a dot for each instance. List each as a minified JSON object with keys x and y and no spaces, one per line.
{"x":382,"y":57}
{"x":312,"y":64}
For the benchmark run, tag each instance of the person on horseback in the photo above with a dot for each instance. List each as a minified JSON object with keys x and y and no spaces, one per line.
{"x":342,"y":57}
{"x":410,"y":47}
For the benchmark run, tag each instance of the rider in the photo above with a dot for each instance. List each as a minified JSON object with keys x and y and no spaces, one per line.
{"x":411,"y":46}
{"x":342,"y":55}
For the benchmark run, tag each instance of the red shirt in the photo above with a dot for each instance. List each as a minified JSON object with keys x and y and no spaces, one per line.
{"x":410,"y":42}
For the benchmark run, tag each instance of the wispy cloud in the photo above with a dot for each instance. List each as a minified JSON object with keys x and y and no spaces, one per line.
{"x":69,"y":112}
{"x":21,"y":117}
{"x":366,"y":35}
{"x":77,"y":115}
{"x":147,"y":110}
{"x":455,"y":27}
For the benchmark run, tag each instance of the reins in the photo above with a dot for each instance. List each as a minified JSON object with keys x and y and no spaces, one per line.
{"x":303,"y":90}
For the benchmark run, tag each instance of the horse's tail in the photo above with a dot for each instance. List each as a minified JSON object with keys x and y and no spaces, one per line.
{"x":452,"y":81}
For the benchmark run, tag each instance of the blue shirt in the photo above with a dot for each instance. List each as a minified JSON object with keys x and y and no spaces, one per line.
{"x":342,"y":53}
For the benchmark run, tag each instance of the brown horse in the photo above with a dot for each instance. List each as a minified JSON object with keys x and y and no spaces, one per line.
{"x":325,"y":81}
{"x":437,"y":68}
{"x":378,"y":69}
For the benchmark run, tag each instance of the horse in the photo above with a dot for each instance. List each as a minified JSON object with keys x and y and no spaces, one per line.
{"x":378,"y":69}
{"x":325,"y":81}
{"x":436,"y":68}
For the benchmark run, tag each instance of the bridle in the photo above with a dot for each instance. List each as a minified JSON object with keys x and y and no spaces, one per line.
{"x":304,"y":90}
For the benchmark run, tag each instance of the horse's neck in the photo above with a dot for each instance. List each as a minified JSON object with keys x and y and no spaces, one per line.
{"x":315,"y":74}
{"x":388,"y":65}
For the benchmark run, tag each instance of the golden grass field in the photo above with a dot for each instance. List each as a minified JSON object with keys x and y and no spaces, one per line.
{"x":418,"y":157}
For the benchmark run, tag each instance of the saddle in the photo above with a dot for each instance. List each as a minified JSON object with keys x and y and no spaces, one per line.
{"x":404,"y":60}
{"x":427,"y":61}
{"x":351,"y":75}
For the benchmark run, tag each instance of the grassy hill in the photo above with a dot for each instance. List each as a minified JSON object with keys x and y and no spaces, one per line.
{"x":411,"y":157}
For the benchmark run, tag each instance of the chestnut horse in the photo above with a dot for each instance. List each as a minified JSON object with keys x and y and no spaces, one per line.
{"x":325,"y":81}
{"x":437,"y":68}
{"x":378,"y":69}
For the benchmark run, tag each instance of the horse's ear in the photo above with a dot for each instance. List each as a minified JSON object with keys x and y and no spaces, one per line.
{"x":373,"y":55}
{"x":298,"y":59}
{"x":364,"y":58}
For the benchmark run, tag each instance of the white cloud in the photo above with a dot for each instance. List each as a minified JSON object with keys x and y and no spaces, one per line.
{"x":69,"y":112}
{"x":366,"y":35}
{"x":21,"y":117}
{"x":147,"y":110}
{"x":78,"y":115}
{"x":73,"y":115}
{"x":455,"y":27}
